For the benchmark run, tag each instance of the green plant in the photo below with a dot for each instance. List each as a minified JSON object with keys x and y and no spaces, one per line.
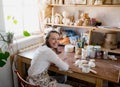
{"x":14,"y":21}
{"x":26,"y":33}
{"x":10,"y":37}
{"x":4,"y":55}
{"x":7,"y":39}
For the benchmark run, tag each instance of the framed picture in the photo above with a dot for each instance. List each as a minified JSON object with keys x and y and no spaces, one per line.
{"x":107,"y":2}
{"x":116,"y":2}
{"x":81,"y":2}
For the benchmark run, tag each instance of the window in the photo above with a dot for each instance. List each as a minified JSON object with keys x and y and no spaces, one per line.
{"x":25,"y":12}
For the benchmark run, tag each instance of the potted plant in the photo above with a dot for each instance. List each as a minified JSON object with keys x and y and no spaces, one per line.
{"x":10,"y":37}
{"x":6,"y":39}
{"x":14,"y":21}
{"x":10,"y":34}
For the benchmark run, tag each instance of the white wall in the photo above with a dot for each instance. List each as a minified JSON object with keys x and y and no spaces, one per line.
{"x":5,"y":72}
{"x":2,"y":27}
{"x":6,"y":75}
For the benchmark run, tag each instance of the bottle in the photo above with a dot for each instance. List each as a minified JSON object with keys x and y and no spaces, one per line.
{"x":105,"y":55}
{"x":84,"y":53}
{"x":98,"y":54}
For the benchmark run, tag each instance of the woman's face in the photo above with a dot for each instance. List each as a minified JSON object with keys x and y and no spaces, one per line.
{"x":53,"y":40}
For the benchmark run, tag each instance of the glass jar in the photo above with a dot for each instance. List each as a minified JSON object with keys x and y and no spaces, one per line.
{"x":105,"y":55}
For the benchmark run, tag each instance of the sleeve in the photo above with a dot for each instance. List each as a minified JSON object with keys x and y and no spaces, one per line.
{"x":53,"y":58}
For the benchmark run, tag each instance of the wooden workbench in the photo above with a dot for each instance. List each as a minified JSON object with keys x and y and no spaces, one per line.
{"x":106,"y":69}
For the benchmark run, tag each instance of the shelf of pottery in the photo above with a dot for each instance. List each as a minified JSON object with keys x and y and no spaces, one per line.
{"x":64,"y":19}
{"x":83,"y":21}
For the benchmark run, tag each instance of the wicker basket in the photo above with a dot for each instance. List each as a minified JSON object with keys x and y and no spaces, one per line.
{"x":111,"y":41}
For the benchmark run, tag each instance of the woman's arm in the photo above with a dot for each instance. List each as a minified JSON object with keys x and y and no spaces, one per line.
{"x":53,"y":58}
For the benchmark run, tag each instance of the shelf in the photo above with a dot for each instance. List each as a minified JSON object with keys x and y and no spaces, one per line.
{"x":83,"y":5}
{"x":91,"y":29}
{"x":112,"y":51}
{"x":87,"y":27}
{"x":71,"y":26}
{"x":107,"y":29}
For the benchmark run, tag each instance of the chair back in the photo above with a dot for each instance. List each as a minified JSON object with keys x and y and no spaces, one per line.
{"x":24,"y":83}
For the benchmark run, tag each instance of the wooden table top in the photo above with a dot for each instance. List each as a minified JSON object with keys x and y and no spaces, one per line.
{"x":106,"y":69}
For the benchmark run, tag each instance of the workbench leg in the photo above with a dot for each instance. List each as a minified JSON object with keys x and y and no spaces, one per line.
{"x":20,"y":66}
{"x":99,"y":83}
{"x":11,"y":62}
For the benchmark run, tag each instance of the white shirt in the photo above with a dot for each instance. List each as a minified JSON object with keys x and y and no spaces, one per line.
{"x":43,"y":57}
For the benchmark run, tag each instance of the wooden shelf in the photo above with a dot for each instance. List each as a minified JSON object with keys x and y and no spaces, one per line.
{"x":112,"y":51}
{"x":107,"y":29}
{"x":87,"y":27}
{"x":91,"y":29}
{"x":84,"y":5}
{"x":71,"y":26}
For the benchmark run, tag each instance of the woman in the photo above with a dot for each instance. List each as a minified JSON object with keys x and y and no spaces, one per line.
{"x":44,"y":56}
